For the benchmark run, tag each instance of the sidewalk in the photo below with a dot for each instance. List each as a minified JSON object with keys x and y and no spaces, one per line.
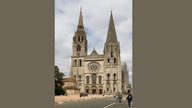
{"x":71,"y":98}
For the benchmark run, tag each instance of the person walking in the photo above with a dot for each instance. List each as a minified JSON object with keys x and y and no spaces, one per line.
{"x":129,"y":99}
{"x":120,"y":97}
{"x":116,"y":98}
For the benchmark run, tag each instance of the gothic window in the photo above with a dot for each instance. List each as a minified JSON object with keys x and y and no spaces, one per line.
{"x":108,"y":75}
{"x":80,"y":77}
{"x":94,"y":79}
{"x":114,"y":75}
{"x":93,"y":66}
{"x":82,"y":39}
{"x":79,"y":38}
{"x":114,"y":89}
{"x":100,"y":78}
{"x":108,"y":60}
{"x":80,"y":62}
{"x":78,"y":48}
{"x":107,"y":89}
{"x":114,"y":60}
{"x":111,"y":54}
{"x":87,"y":79}
{"x":75,"y":63}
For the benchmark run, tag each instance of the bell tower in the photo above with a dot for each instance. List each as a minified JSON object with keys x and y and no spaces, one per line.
{"x":80,"y":39}
{"x":79,"y":53}
{"x":112,"y":60}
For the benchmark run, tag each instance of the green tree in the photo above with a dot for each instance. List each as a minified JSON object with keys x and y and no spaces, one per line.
{"x":59,"y":82}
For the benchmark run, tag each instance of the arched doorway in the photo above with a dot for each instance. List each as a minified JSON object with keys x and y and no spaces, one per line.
{"x":100,"y":90}
{"x":87,"y":89}
{"x":94,"y":89}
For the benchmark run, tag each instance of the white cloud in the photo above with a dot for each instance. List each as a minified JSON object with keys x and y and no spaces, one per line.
{"x":96,"y":14}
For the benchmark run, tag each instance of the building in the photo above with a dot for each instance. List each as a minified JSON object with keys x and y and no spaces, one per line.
{"x":70,"y":86}
{"x":96,"y":73}
{"x":125,"y":78}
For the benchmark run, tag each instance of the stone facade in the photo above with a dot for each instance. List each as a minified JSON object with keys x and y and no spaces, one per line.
{"x":70,"y":85}
{"x":125,"y":78}
{"x":96,"y":73}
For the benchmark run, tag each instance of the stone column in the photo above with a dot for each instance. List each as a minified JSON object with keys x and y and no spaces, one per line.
{"x":111,"y":86}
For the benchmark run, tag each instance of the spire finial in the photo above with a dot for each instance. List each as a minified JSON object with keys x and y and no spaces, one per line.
{"x":111,"y":36}
{"x":80,"y":24}
{"x":81,"y":8}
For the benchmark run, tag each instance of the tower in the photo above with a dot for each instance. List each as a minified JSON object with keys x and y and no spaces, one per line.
{"x":125,"y":77}
{"x":112,"y":60}
{"x":80,"y":39}
{"x":79,"y":52}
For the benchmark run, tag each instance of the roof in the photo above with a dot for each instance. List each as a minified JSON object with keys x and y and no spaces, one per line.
{"x":68,"y":79}
{"x":71,"y":88}
{"x":94,"y":53}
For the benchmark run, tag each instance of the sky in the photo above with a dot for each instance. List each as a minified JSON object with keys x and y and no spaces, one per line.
{"x":96,"y":15}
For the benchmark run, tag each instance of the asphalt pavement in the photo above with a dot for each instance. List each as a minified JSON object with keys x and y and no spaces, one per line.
{"x":108,"y":102}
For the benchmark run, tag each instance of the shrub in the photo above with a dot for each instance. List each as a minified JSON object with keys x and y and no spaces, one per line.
{"x":59,"y":91}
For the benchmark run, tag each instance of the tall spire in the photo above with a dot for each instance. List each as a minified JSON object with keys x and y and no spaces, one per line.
{"x":80,"y":24}
{"x":111,"y":35}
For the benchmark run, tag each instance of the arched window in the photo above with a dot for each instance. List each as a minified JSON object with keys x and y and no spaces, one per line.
{"x":78,"y":48}
{"x":108,"y":60}
{"x":87,"y":79}
{"x":111,"y":54}
{"x":80,"y":62}
{"x":82,"y":39}
{"x":75,"y":63}
{"x":114,"y":60}
{"x":114,"y":76}
{"x":108,"y":75}
{"x":100,"y":78}
{"x":80,"y":77}
{"x":79,"y":38}
{"x":94,"y":79}
{"x":75,"y":77}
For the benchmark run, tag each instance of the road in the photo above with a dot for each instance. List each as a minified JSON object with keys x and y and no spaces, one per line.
{"x":108,"y":102}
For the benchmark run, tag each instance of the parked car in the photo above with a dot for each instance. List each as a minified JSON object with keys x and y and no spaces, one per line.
{"x":83,"y":94}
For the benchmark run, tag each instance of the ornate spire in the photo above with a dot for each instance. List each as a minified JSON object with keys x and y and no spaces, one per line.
{"x":111,"y":36}
{"x":80,"y":24}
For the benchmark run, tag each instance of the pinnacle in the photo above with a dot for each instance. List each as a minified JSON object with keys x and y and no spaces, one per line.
{"x":111,"y":36}
{"x":80,"y":23}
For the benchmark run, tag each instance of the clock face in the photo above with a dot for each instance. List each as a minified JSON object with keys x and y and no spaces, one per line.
{"x":93,"y":66}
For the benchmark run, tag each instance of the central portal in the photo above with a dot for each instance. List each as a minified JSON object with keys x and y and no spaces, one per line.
{"x":93,"y":91}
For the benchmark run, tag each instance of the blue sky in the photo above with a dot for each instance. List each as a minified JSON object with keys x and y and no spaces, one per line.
{"x":96,"y":14}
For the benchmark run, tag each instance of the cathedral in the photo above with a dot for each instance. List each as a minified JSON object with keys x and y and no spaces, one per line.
{"x":97,"y":73}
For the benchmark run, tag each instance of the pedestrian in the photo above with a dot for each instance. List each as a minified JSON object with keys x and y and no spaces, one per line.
{"x":120,"y":97}
{"x":80,"y":95}
{"x":129,"y":99}
{"x":116,"y":98}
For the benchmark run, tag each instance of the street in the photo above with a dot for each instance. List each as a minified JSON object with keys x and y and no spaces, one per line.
{"x":108,"y":102}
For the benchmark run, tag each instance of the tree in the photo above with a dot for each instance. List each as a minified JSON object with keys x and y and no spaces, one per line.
{"x":59,"y":82}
